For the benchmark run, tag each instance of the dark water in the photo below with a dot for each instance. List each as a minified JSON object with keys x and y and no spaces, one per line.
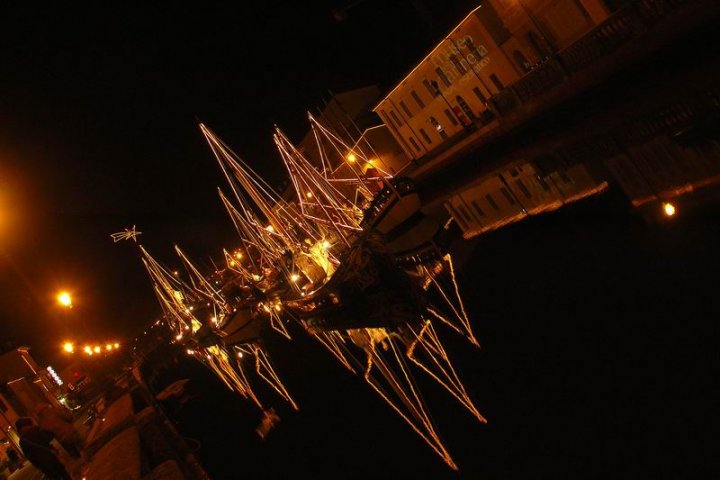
{"x":599,"y":356}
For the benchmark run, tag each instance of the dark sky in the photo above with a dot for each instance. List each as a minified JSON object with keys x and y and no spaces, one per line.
{"x":98,"y":132}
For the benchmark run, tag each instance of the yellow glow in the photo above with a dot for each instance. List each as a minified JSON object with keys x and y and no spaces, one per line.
{"x":294,"y":277}
{"x":668,"y":209}
{"x":233,"y":263}
{"x":178,"y":336}
{"x":270,"y":228}
{"x":371,"y":162}
{"x":238,"y":255}
{"x":116,"y":345}
{"x":256,"y":277}
{"x":309,"y":194}
{"x":97,"y":349}
{"x":240,"y":354}
{"x":190,"y":352}
{"x":351,"y":157}
{"x":325,"y":244}
{"x":87,"y":350}
{"x":108,"y":347}
{"x":69,"y":347}
{"x":64,"y":299}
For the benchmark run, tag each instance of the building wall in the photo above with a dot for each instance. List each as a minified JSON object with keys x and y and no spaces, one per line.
{"x":494,"y":46}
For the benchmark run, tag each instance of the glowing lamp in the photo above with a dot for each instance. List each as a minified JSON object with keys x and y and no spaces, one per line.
{"x":668,"y":209}
{"x":64,"y":299}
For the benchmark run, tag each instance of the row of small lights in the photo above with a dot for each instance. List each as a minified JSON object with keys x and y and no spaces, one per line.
{"x":69,"y":347}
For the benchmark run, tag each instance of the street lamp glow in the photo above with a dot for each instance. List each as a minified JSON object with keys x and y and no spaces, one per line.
{"x":351,"y":157}
{"x":69,"y":347}
{"x":97,"y":349}
{"x":88,"y":350}
{"x":108,"y":347}
{"x":668,"y":209}
{"x":116,"y":345}
{"x":64,"y":299}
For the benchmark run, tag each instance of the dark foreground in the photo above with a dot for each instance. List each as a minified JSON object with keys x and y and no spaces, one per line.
{"x":599,"y":347}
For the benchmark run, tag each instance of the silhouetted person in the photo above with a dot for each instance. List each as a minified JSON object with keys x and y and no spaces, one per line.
{"x":35,"y":444}
{"x":58,"y":421}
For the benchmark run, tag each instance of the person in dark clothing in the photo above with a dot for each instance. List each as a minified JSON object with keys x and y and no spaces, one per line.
{"x":35,"y":444}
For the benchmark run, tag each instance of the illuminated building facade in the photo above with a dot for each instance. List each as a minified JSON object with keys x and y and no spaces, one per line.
{"x":459,"y":86}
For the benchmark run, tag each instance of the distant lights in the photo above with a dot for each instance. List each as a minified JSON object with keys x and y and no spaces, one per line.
{"x":668,"y":209}
{"x":351,"y":157}
{"x":69,"y":347}
{"x":64,"y":299}
{"x":97,"y":349}
{"x":294,"y":277}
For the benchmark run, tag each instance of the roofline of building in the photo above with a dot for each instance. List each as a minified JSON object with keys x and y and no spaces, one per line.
{"x":397,"y":85}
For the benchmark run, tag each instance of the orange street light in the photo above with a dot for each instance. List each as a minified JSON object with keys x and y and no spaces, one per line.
{"x":351,"y":157}
{"x":668,"y":209}
{"x":97,"y":349}
{"x":116,"y":345}
{"x":108,"y":347}
{"x":87,"y":349}
{"x":69,"y":347}
{"x":64,"y":299}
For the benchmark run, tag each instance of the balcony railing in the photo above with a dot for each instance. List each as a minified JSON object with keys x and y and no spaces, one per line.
{"x":603,"y":39}
{"x":540,"y":79}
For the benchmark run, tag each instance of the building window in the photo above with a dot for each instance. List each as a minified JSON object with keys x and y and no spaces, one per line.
{"x":563,"y":175}
{"x":406,"y":109}
{"x":430,"y":88}
{"x":425,"y":136}
{"x":458,"y":65}
{"x":438,"y":127}
{"x":465,"y":214}
{"x":451,"y":117}
{"x":417,"y":99}
{"x":507,"y":195}
{"x":395,"y":118}
{"x":442,"y":76}
{"x":479,"y":94}
{"x":543,"y":183}
{"x":457,"y":218}
{"x":523,"y":188}
{"x":492,"y":203}
{"x":477,"y":208}
{"x":414,"y":143}
{"x":496,"y":81}
{"x":479,"y":52}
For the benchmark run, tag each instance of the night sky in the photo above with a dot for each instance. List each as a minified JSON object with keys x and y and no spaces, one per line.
{"x":98,"y":131}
